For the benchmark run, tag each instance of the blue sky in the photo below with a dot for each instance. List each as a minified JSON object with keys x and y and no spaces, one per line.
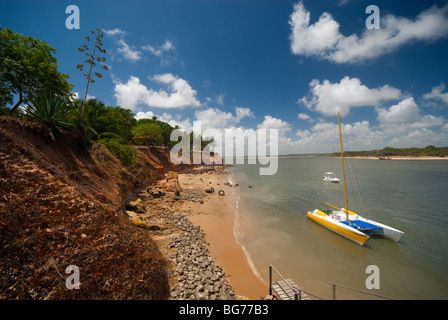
{"x":288,"y":65}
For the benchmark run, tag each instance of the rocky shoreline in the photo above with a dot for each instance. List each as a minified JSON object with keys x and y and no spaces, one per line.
{"x":193,"y":273}
{"x":197,"y":274}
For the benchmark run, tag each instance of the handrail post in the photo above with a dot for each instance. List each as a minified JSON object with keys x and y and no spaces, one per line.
{"x":296,"y":290}
{"x":334,"y":285}
{"x":333,"y":291}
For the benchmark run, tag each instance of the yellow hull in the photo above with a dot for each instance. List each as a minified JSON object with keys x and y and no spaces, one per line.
{"x":339,"y":228}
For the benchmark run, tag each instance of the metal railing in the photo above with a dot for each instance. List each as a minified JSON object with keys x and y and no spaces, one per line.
{"x":297,"y":292}
{"x":333,"y":291}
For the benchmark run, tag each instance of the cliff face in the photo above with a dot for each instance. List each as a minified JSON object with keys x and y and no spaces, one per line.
{"x":62,"y":206}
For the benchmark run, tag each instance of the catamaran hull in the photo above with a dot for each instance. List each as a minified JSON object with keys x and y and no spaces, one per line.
{"x":384,"y":230}
{"x":334,"y":180}
{"x":337,"y":227}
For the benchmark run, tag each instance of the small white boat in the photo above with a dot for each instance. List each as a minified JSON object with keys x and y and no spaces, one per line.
{"x":330,"y":177}
{"x":348,"y":223}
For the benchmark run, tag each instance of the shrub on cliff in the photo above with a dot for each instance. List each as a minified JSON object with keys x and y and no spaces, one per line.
{"x":123,"y":152}
{"x":49,"y":111}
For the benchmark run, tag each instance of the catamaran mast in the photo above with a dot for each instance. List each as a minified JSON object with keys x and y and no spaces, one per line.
{"x":343,"y":171}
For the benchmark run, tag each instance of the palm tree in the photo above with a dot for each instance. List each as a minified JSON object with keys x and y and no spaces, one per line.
{"x":94,"y":109}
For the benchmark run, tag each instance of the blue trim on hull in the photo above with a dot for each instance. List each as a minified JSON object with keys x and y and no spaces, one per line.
{"x":362,"y":225}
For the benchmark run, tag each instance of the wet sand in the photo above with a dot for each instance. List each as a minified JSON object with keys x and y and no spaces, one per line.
{"x":216,"y":217}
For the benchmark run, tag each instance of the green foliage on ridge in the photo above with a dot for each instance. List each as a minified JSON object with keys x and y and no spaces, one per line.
{"x":430,"y":151}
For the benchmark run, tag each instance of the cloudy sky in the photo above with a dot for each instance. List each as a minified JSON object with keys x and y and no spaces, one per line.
{"x":289,"y":65}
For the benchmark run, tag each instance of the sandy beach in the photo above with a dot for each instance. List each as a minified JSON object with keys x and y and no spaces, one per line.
{"x":216,"y":216}
{"x":213,"y":218}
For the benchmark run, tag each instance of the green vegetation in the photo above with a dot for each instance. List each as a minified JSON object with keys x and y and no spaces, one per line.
{"x":122,"y":151}
{"x":29,"y":71}
{"x":147,"y":133}
{"x":49,"y":111}
{"x":431,"y":151}
{"x":103,"y":121}
{"x":28,"y":68}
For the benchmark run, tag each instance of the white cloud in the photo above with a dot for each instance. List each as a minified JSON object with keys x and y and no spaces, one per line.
{"x":242,"y":112}
{"x":303,"y":116}
{"x":184,"y":124}
{"x":130,"y":94}
{"x":342,"y":2}
{"x":270,"y":122}
{"x":316,"y":39}
{"x":76,"y":96}
{"x":329,"y":98}
{"x":402,"y":120}
{"x":283,"y":128}
{"x":166,"y":78}
{"x":437,"y":93}
{"x":323,"y":137}
{"x":324,"y":40}
{"x":214,"y":118}
{"x":159,"y":50}
{"x":114,"y":32}
{"x":128,"y":52}
{"x":400,"y":125}
{"x":211,"y":118}
{"x":179,"y":93}
{"x":167,"y":52}
{"x":219,"y":99}
{"x":145,"y":115}
{"x":406,"y":111}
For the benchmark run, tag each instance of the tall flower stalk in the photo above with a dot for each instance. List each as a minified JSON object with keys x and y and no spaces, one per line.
{"x":95,"y":58}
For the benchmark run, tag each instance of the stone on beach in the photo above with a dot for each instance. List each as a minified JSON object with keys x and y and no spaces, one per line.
{"x":198,"y":276}
{"x":171,"y":183}
{"x":136,"y":205}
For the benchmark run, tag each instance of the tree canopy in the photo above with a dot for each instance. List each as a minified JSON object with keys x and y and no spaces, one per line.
{"x":29,"y":73}
{"x":147,"y":133}
{"x":28,"y":68}
{"x":103,"y":121}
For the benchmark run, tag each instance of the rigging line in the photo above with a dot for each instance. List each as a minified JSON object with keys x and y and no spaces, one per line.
{"x":331,"y":163}
{"x":354,"y":181}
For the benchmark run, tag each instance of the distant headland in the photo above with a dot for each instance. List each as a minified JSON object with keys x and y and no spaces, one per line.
{"x":388,"y":153}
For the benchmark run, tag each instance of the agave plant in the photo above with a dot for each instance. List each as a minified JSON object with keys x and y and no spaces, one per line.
{"x":49,"y":111}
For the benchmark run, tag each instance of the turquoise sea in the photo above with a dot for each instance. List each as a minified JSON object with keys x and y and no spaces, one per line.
{"x":409,"y":195}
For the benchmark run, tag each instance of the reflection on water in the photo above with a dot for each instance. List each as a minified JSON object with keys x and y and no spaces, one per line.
{"x":408,"y":195}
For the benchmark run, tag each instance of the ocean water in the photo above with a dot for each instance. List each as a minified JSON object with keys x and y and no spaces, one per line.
{"x":409,"y":195}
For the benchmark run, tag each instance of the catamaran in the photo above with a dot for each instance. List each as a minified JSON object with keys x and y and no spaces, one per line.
{"x":348,"y":223}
